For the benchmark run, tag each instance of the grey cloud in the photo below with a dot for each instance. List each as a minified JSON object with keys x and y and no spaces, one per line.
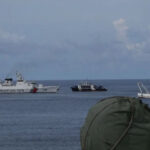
{"x":122,"y":30}
{"x":10,"y":37}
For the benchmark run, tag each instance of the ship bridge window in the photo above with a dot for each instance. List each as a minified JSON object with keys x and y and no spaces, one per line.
{"x":8,"y":79}
{"x":20,"y":80}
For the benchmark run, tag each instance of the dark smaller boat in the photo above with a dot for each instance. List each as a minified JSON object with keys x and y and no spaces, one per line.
{"x":88,"y":87}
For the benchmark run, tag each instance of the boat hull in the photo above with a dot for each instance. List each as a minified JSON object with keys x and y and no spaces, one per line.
{"x":17,"y":91}
{"x":47,"y":89}
{"x":76,"y":89}
{"x":143,"y":95}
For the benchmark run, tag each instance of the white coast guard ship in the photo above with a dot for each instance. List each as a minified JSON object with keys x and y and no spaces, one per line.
{"x":21,"y":86}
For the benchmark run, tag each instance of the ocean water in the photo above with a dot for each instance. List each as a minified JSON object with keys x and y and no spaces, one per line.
{"x":53,"y":121}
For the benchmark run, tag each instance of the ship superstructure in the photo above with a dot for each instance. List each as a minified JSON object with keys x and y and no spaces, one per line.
{"x":21,"y":86}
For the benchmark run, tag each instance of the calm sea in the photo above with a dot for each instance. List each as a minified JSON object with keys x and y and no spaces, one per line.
{"x":53,"y":121}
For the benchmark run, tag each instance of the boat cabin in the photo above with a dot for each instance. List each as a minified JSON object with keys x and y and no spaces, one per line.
{"x":8,"y":82}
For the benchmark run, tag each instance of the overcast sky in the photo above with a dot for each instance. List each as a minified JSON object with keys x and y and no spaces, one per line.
{"x":75,"y":39}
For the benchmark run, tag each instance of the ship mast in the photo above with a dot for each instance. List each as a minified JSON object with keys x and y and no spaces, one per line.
{"x":19,"y":76}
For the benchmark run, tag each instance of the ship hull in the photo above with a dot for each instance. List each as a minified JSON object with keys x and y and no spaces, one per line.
{"x":82,"y":90}
{"x":47,"y":89}
{"x":102,"y":90}
{"x":15,"y":91}
{"x":76,"y":89}
{"x":143,"y":95}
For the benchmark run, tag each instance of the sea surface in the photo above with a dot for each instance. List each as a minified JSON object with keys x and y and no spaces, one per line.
{"x":53,"y":121}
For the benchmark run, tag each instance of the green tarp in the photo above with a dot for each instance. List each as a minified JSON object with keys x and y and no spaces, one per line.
{"x":117,"y":123}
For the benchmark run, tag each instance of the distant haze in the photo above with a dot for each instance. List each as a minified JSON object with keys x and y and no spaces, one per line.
{"x":75,"y":39}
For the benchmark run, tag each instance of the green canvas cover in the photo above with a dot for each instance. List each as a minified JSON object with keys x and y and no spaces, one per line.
{"x":117,"y":123}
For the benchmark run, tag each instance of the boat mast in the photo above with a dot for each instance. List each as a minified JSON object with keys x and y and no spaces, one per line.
{"x":19,"y":76}
{"x":140,"y":85}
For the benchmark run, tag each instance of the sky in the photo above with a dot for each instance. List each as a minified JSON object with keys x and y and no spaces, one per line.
{"x":75,"y":39}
